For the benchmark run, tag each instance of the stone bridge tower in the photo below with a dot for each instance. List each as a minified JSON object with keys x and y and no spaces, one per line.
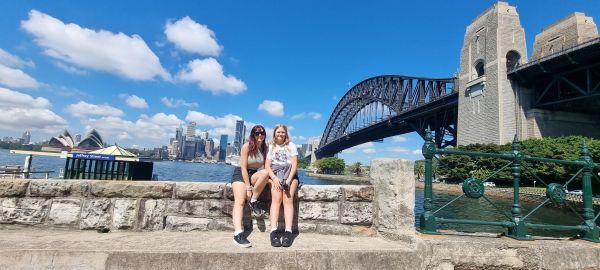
{"x":488,"y":108}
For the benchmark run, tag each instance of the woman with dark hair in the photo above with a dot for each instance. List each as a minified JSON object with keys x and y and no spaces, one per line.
{"x":248,"y":181}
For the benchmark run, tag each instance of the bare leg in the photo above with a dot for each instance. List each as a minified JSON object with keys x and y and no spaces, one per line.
{"x":239,"y":195}
{"x":288,"y":205}
{"x":259,"y":180}
{"x":276,"y":195}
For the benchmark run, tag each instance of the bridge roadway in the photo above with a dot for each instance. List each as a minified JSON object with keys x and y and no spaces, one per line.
{"x":31,"y":248}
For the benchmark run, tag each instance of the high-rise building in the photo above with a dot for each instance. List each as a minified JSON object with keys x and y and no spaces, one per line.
{"x":200,"y":147}
{"x":204,"y":135}
{"x":189,"y":150}
{"x":26,"y":138}
{"x":208,"y":147}
{"x":191,"y":131}
{"x":223,"y":148}
{"x":179,"y":138}
{"x":240,"y":132}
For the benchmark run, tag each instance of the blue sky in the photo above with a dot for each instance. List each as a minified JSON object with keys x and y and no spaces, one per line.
{"x":135,"y":71}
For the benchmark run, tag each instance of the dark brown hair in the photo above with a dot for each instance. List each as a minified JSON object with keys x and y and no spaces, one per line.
{"x":253,"y":148}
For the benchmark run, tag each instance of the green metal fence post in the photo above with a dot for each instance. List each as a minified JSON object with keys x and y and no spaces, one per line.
{"x":519,"y":231}
{"x":592,"y":233}
{"x":428,"y":223}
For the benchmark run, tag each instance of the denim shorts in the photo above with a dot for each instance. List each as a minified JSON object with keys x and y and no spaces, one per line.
{"x":237,"y":174}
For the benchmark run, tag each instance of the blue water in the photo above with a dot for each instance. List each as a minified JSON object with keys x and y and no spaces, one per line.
{"x":165,"y":170}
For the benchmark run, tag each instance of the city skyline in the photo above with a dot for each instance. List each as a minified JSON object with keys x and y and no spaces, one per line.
{"x":136,"y":75}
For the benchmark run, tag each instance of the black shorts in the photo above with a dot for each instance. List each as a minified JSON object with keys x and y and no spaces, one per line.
{"x":237,"y":175}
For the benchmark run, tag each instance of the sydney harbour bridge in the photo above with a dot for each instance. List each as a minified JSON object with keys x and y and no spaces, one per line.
{"x":497,"y":94}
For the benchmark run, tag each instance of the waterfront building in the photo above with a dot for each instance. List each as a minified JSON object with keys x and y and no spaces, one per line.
{"x":204,"y":135}
{"x":65,"y":142}
{"x":179,"y":137}
{"x":191,"y":131}
{"x":231,"y":150}
{"x":209,"y":145}
{"x":200,"y":147}
{"x":240,"y":133}
{"x":77,"y":138}
{"x":26,"y":137}
{"x":223,"y":148}
{"x":189,"y":150}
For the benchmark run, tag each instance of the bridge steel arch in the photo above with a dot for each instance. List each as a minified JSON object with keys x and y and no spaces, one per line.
{"x":407,"y":104}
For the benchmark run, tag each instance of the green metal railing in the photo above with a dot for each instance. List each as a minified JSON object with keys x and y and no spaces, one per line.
{"x":515,"y":222}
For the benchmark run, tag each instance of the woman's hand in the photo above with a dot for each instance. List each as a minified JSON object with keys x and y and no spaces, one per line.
{"x":276,"y":183}
{"x":248,"y":195}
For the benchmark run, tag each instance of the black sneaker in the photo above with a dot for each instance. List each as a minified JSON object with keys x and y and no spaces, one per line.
{"x":286,"y":240}
{"x":241,"y":240}
{"x":256,"y":209}
{"x":275,"y":242}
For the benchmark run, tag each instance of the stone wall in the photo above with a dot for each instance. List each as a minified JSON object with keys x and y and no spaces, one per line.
{"x":153,"y":206}
{"x":568,"y":32}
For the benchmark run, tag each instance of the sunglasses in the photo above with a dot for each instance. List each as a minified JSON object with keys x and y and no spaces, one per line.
{"x":260,"y":133}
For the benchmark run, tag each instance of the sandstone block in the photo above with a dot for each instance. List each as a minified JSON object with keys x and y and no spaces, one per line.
{"x":307,"y":227}
{"x":199,"y":208}
{"x":357,"y":213}
{"x":58,"y":188}
{"x":124,"y":213}
{"x":223,"y":224}
{"x":193,"y":191}
{"x":319,"y":193}
{"x":24,"y":210}
{"x":13,"y":187}
{"x":95,"y":214}
{"x":319,"y":211}
{"x":64,"y":212}
{"x":153,"y":213}
{"x":334,"y":229}
{"x":186,"y":224}
{"x":131,"y":189}
{"x":359,"y":193}
{"x":364,"y":231}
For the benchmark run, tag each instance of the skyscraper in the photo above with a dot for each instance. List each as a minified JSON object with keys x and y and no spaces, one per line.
{"x":240,"y":132}
{"x":26,"y":138}
{"x":191,"y":131}
{"x":204,"y":135}
{"x":208,"y":147}
{"x":223,"y":148}
{"x":179,"y":138}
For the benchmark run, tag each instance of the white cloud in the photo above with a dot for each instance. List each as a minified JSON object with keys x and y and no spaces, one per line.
{"x":70,"y":69}
{"x":23,"y":112}
{"x":208,"y":73}
{"x":13,"y":61}
{"x":417,"y":152}
{"x":16,"y":78}
{"x":399,"y":138}
{"x":134,"y":101}
{"x":14,"y":99}
{"x":348,"y":151}
{"x":369,"y":150}
{"x":400,"y":150}
{"x":365,"y":145}
{"x":172,"y":103}
{"x":101,"y":50}
{"x":315,"y":115}
{"x":193,"y":37}
{"x":272,"y":107}
{"x":157,"y":128}
{"x":84,"y":109}
{"x":298,"y":116}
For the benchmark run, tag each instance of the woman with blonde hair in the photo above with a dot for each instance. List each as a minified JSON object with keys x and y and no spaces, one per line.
{"x":248,"y":181}
{"x":281,"y":164}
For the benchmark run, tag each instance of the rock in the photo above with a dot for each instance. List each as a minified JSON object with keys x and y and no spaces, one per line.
{"x":24,"y":210}
{"x":334,"y":229}
{"x":199,"y":208}
{"x":319,"y":211}
{"x":58,"y":188}
{"x":319,"y":193}
{"x":153,"y":212}
{"x":193,"y":191}
{"x":64,"y":212}
{"x":13,"y":187}
{"x":357,"y":213}
{"x":359,"y":193}
{"x":124,"y":213}
{"x":95,"y":214}
{"x":132,"y":189}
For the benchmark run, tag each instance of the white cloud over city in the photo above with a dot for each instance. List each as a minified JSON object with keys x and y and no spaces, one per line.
{"x":192,"y":37}
{"x":11,"y":74}
{"x":83,"y":109}
{"x":23,"y":112}
{"x":208,"y":74}
{"x":134,"y":101}
{"x":271,"y":107}
{"x":175,"y":103}
{"x":100,"y":50}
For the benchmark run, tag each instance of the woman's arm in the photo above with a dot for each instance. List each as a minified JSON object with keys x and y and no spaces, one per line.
{"x":244,"y":167}
{"x":294,"y":160}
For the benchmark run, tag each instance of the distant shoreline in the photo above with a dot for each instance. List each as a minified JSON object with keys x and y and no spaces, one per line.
{"x":339,"y":177}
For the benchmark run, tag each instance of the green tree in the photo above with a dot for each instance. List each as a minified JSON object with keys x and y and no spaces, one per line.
{"x":303,"y":163}
{"x":330,"y":165}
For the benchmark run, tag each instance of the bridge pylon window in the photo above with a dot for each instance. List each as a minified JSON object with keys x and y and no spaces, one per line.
{"x":513,"y":60}
{"x":479,"y":68}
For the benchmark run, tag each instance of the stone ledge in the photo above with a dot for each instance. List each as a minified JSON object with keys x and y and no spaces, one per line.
{"x":131,"y":189}
{"x":13,"y":188}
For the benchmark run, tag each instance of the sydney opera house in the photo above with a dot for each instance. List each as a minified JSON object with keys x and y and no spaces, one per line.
{"x":65,"y":142}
